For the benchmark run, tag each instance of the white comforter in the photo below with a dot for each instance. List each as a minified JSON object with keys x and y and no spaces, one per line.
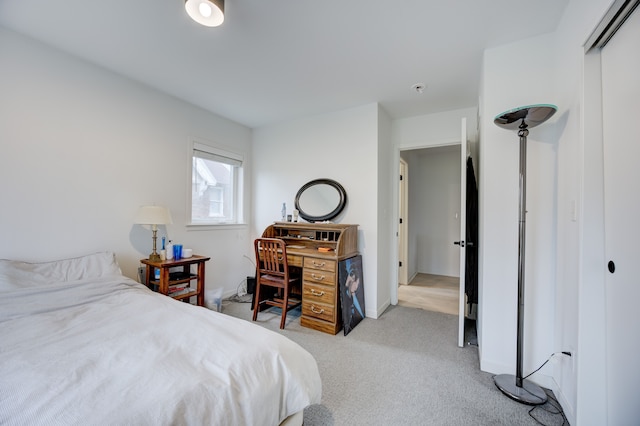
{"x":106,"y":350}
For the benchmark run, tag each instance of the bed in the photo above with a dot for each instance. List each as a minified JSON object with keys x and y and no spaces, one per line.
{"x":82,"y":344}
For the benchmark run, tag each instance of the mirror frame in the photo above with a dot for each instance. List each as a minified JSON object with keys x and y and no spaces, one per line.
{"x":335,"y":212}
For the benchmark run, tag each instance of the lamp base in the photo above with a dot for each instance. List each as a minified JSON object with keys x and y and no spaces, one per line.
{"x":154,"y":257}
{"x":529,"y":393}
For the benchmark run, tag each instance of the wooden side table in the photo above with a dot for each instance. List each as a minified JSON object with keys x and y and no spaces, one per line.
{"x":178,"y":284}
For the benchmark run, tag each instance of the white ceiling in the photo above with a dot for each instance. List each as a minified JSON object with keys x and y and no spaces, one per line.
{"x":275,"y":60}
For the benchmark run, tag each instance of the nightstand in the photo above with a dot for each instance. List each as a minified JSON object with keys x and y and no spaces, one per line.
{"x":178,"y":284}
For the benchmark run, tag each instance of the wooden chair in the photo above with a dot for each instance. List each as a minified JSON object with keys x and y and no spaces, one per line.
{"x":274,"y":280}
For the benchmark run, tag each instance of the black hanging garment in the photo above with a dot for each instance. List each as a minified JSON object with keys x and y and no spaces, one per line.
{"x":471,"y":246}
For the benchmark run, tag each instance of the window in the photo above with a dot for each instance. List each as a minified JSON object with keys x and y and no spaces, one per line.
{"x":216,"y":186}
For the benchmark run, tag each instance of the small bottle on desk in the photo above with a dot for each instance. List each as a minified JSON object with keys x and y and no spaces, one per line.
{"x":170,"y":251}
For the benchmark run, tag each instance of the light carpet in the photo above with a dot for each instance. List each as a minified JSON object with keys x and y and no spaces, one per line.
{"x":404,"y":368}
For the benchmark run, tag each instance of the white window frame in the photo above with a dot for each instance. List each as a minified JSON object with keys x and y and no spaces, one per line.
{"x":208,"y":151}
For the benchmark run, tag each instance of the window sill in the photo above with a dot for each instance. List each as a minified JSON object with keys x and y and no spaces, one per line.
{"x":214,"y":226}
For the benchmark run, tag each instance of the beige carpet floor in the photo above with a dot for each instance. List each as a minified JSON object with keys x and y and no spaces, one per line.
{"x":435,"y":293}
{"x":402,"y":369}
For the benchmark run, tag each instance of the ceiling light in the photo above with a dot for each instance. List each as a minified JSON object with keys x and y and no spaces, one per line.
{"x":419,"y":87}
{"x":205,"y":10}
{"x":209,"y":13}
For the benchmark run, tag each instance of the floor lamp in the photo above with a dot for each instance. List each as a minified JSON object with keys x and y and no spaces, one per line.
{"x":522,"y":119}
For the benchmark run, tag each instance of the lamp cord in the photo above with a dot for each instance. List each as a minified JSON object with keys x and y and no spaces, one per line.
{"x":556,"y":408}
{"x":545,"y":363}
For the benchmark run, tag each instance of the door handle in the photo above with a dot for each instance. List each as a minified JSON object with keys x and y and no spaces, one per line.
{"x":459,"y":243}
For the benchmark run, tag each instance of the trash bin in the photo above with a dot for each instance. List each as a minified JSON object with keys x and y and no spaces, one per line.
{"x":213,"y":299}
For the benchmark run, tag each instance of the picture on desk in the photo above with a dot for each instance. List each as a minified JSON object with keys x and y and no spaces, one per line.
{"x":351,"y":292}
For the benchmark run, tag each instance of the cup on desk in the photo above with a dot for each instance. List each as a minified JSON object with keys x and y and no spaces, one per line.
{"x":177,"y":251}
{"x":187,"y":253}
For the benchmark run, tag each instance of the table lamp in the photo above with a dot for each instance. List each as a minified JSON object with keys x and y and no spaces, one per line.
{"x":154,"y":216}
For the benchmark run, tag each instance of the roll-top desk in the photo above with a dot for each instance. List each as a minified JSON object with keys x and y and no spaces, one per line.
{"x":317,"y":248}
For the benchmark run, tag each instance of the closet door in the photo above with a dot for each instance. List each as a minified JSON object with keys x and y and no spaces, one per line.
{"x":463,"y":229}
{"x":621,"y":113}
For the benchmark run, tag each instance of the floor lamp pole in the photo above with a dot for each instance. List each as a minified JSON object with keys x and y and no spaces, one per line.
{"x":516,"y":387}
{"x":522,"y":214}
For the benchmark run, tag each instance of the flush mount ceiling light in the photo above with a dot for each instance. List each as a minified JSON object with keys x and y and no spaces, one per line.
{"x":419,"y":88}
{"x":209,"y":13}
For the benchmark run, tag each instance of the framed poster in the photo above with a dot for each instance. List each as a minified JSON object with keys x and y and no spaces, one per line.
{"x":351,"y":292}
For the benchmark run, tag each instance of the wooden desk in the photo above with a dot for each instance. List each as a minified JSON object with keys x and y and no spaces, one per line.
{"x":321,"y":309}
{"x":173,"y":280}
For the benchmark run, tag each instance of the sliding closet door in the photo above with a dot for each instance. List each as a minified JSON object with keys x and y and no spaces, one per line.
{"x":621,"y":114}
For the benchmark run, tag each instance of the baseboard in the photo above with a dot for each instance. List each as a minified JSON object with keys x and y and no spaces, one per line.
{"x":497,"y":368}
{"x":375,"y":313}
{"x":567,"y":408}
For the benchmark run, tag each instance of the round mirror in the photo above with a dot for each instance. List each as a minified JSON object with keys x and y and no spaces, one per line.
{"x":320,"y":199}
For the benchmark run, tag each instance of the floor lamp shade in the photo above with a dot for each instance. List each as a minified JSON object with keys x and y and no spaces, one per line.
{"x":522,"y":119}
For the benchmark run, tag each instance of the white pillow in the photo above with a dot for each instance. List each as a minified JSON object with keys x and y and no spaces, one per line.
{"x":16,"y":274}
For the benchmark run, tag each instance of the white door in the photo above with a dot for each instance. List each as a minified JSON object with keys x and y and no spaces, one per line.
{"x":402,"y":226}
{"x":621,"y":112}
{"x":463,"y":227}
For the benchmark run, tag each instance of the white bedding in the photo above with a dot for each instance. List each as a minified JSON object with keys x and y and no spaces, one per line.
{"x":84,"y":345}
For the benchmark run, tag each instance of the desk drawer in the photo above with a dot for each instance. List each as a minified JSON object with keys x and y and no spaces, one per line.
{"x":318,"y":310}
{"x":294,"y":260}
{"x":317,"y":276}
{"x":321,"y":264}
{"x":318,"y":293}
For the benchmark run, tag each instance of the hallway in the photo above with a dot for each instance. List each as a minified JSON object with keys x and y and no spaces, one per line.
{"x":432,"y":293}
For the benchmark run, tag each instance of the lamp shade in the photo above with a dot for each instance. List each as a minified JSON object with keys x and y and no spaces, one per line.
{"x":153,"y":215}
{"x":209,"y":13}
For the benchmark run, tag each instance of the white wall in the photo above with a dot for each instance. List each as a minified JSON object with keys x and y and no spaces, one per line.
{"x":434,"y":201}
{"x":387,"y":254}
{"x":342,"y":146}
{"x":83,"y":148}
{"x":437,"y":129}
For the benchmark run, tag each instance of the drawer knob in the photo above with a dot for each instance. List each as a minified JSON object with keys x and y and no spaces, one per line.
{"x":316,"y":293}
{"x":318,"y":264}
{"x":316,"y":277}
{"x":316,"y":311}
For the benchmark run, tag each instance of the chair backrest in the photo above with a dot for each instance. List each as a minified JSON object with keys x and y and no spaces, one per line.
{"x":271,"y":257}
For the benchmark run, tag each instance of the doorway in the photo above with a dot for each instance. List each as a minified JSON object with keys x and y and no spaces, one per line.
{"x":430,"y":212}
